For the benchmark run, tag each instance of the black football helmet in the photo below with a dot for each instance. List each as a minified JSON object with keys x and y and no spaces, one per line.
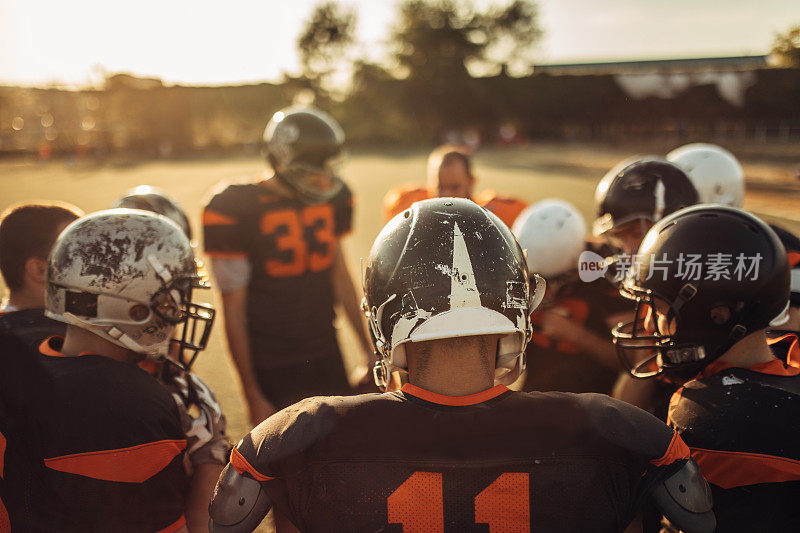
{"x":149,"y":198}
{"x":641,"y":188}
{"x":718,"y":274}
{"x":444,"y":268}
{"x":303,"y":141}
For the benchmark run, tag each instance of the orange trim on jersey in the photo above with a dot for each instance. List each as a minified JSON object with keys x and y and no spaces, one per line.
{"x":399,"y":199}
{"x":46,"y":349}
{"x":676,"y":450}
{"x":225,"y":255}
{"x":774,"y":367}
{"x":737,"y":469}
{"x":794,"y":258}
{"x":212,"y":218}
{"x":177,"y":526}
{"x":240,"y":464}
{"x":5,"y":521}
{"x":129,"y":465}
{"x":793,"y":354}
{"x":2,"y":453}
{"x":471,"y":399}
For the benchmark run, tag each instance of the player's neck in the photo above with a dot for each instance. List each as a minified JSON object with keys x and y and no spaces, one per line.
{"x":460,"y":376}
{"x":26,"y":298}
{"x":78,"y":341}
{"x":750,"y":351}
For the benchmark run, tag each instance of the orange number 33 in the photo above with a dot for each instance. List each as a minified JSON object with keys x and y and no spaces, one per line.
{"x":289,"y":228}
{"x":418,"y":504}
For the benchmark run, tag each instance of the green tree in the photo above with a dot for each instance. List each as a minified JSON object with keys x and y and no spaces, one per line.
{"x":440,"y":45}
{"x":323,"y":45}
{"x":786,"y":47}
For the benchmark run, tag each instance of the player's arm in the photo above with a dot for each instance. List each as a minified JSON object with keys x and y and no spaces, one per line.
{"x":558,"y":327}
{"x":234,"y":308}
{"x":346,"y":295}
{"x":201,"y":486}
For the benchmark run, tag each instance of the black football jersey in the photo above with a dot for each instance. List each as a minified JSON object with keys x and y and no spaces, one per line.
{"x":31,"y":326}
{"x":413,"y":461}
{"x":559,"y":365}
{"x":291,"y":248}
{"x":740,"y":426}
{"x":104,"y":445}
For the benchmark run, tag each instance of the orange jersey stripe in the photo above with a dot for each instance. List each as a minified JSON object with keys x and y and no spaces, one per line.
{"x":241,"y":465}
{"x":177,"y":526}
{"x":2,"y":454}
{"x":130,"y":465}
{"x":5,"y":521}
{"x":736,"y":469}
{"x":441,"y":399}
{"x":212,"y":218}
{"x":676,"y":450}
{"x":794,"y":258}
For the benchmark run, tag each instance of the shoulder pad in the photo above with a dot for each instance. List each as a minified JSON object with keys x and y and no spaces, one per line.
{"x":684,"y":498}
{"x":238,"y":503}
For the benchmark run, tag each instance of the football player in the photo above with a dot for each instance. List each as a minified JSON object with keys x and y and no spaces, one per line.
{"x":108,"y":436}
{"x":636,"y":194}
{"x":448,"y":299}
{"x":27,"y":233}
{"x":570,"y":349}
{"x":450,"y":175}
{"x":277,"y":260}
{"x":709,"y":283}
{"x":630,"y":198}
{"x":715,"y":173}
{"x":204,"y":423}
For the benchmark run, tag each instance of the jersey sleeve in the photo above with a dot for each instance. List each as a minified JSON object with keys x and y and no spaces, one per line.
{"x":225,"y":232}
{"x":507,"y":209}
{"x":278,"y":444}
{"x":634,"y":430}
{"x":343,"y":212}
{"x":399,"y":199}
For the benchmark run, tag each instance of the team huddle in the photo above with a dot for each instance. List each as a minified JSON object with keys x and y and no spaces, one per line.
{"x":519,"y":371}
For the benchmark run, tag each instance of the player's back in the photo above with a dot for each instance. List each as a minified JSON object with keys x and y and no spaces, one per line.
{"x":739,"y":423}
{"x":413,"y":460}
{"x":109,"y":444}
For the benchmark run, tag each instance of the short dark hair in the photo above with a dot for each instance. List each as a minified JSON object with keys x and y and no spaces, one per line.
{"x":448,"y":154}
{"x":30,"y":230}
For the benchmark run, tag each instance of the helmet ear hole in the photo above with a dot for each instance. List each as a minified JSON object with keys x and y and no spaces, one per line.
{"x":720,"y":315}
{"x":138,"y":312}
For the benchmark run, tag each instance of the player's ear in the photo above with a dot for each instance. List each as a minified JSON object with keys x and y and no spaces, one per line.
{"x":35,"y":269}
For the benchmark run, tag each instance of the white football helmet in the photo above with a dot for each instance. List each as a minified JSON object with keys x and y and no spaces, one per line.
{"x":127,"y":276}
{"x":553,"y":233}
{"x":714,"y":171}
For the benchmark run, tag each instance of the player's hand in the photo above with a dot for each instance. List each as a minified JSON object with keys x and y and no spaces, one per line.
{"x":258,"y":407}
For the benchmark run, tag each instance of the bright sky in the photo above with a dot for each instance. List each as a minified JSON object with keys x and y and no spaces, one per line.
{"x":214,"y":42}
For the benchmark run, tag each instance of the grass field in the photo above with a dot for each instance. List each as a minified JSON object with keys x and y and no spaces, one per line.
{"x":533,"y":173}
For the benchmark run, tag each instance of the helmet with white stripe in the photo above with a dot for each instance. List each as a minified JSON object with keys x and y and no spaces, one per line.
{"x":448,"y":268}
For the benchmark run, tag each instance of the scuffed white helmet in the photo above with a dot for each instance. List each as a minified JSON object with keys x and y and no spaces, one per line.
{"x":714,"y":171}
{"x":127,"y":276}
{"x":553,"y":233}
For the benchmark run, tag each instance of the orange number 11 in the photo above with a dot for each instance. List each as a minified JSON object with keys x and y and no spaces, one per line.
{"x":418,"y":504}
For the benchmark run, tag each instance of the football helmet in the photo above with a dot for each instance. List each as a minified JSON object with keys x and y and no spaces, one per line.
{"x":715,"y":274}
{"x":305,"y":147}
{"x":152,"y":199}
{"x":443,"y":268}
{"x":553,"y":234}
{"x":127,"y":276}
{"x":641,"y":188}
{"x":714,"y":171}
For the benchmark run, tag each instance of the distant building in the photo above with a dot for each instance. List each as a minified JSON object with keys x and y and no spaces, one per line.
{"x":668,"y":78}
